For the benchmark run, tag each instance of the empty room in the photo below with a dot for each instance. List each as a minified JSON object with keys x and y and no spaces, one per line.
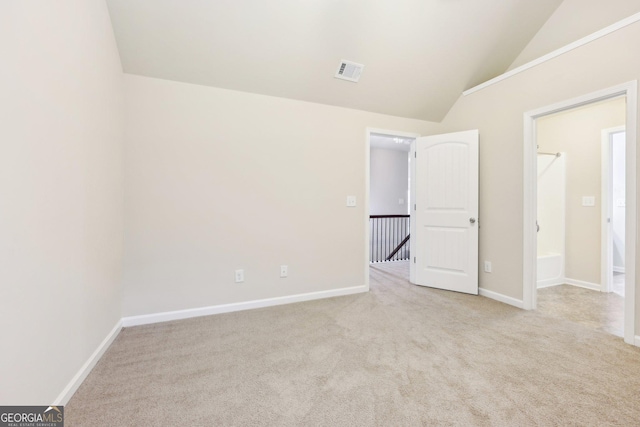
{"x":312,"y":213}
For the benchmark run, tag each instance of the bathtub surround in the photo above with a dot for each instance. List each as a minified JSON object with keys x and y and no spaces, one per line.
{"x":551,"y":219}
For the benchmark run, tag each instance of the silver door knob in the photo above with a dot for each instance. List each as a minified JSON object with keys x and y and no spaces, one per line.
{"x":472,"y":220}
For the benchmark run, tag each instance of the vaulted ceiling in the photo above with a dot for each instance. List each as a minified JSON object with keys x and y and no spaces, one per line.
{"x":419,"y":55}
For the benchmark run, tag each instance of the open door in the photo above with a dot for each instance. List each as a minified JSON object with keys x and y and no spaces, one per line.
{"x":444,"y":218}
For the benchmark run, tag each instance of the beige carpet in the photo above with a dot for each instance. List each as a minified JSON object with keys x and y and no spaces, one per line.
{"x":593,"y":309}
{"x":398,"y":355}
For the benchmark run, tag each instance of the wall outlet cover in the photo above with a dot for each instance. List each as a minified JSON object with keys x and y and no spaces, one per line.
{"x":487,"y":266}
{"x":239,"y":276}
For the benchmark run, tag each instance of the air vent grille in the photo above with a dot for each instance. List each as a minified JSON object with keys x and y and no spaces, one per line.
{"x":349,"y":71}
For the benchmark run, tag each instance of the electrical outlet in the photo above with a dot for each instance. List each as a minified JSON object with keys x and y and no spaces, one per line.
{"x":239,"y":276}
{"x":351,"y":201}
{"x":487,"y":266}
{"x":284,"y":271}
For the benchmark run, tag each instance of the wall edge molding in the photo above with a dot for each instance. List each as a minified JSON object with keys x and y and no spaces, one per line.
{"x":501,"y":298}
{"x":558,"y":52}
{"x":549,"y":283}
{"x":167,"y":316}
{"x":583,"y":284}
{"x":64,"y":397}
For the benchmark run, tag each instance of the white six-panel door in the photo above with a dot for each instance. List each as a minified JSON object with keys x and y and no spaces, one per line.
{"x":444,"y":218}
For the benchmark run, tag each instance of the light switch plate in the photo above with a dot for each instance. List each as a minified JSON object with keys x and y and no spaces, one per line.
{"x":351,"y":201}
{"x":588,"y":200}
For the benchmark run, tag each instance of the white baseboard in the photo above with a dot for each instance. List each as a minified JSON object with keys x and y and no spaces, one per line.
{"x":582,"y":284}
{"x":549,"y":283}
{"x":637,"y":341}
{"x":502,"y":298}
{"x":84,"y":371}
{"x":239,"y":306}
{"x":618,"y":269}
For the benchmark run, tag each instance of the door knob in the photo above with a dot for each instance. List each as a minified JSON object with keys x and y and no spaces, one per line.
{"x":472,"y":220}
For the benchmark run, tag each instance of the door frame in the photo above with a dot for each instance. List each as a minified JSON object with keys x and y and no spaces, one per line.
{"x":367,"y":191}
{"x":606,"y":239}
{"x":628,"y":90}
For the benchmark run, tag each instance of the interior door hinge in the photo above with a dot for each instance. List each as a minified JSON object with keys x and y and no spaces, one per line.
{"x":414,"y":206}
{"x":414,"y":260}
{"x":415,"y":154}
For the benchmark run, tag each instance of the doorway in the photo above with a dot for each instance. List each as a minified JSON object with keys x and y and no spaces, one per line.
{"x":530,"y":243}
{"x":613,"y":209}
{"x":573,"y":215}
{"x":387,"y":196}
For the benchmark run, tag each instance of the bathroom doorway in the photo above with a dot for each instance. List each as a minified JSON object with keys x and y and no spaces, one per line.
{"x":574,"y":207}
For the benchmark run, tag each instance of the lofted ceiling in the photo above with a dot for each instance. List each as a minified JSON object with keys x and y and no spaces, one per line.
{"x":419,"y":55}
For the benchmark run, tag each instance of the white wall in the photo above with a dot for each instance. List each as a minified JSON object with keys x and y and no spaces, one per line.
{"x":618,"y":196}
{"x":497,"y":111}
{"x":219,"y":180}
{"x":389,"y":182}
{"x":60,"y":192}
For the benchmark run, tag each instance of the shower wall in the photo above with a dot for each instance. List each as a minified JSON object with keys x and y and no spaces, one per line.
{"x":551,"y":219}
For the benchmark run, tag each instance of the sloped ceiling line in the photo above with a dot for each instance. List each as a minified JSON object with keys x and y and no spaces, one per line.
{"x":419,"y":55}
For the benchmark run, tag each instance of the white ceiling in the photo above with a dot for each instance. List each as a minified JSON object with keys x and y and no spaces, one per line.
{"x":419,"y":55}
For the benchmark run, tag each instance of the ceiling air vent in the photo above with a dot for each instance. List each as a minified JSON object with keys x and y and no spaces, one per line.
{"x":349,"y":71}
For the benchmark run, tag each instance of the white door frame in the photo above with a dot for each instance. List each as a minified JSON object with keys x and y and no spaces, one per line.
{"x":367,"y":192}
{"x":629,"y":90}
{"x":606,"y":239}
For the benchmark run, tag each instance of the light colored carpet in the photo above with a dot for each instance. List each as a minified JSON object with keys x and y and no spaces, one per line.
{"x":593,"y":309}
{"x":398,"y":355}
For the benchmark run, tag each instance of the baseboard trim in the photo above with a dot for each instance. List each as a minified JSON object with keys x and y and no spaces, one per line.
{"x":84,"y":371}
{"x":501,"y":298}
{"x":549,"y":283}
{"x":636,"y":341}
{"x":582,"y":284}
{"x":147,"y":319}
